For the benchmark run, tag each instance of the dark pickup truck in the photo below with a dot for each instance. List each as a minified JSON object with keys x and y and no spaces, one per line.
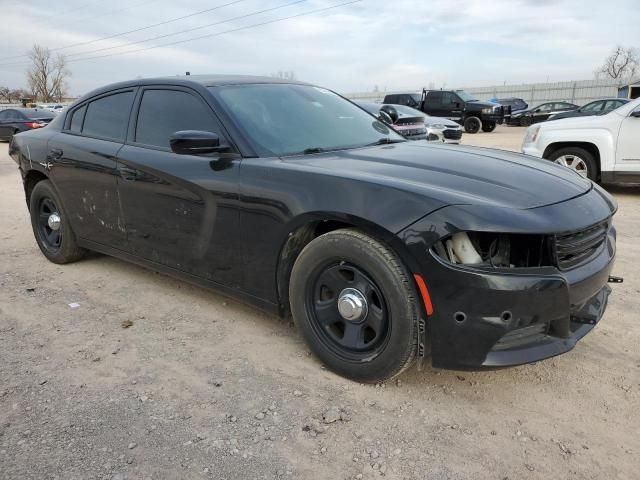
{"x":456,"y":105}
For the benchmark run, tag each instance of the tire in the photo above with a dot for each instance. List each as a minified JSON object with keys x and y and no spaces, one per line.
{"x":525,"y":121}
{"x":577,"y":159}
{"x":380,"y":344}
{"x":489,"y":126}
{"x":57,"y":244}
{"x":472,"y":125}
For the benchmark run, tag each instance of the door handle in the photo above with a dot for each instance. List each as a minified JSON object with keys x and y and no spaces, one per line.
{"x":55,"y":153}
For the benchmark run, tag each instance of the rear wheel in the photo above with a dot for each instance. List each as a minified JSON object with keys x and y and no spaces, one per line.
{"x":472,"y":125}
{"x":51,"y":226}
{"x":577,"y":159}
{"x":355,"y":305}
{"x":488,"y":126}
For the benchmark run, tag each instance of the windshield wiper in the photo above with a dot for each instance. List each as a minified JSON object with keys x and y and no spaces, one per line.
{"x":309,"y":151}
{"x":384,"y":141}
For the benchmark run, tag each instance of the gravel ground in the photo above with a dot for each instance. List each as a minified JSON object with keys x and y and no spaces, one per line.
{"x":153,"y":378}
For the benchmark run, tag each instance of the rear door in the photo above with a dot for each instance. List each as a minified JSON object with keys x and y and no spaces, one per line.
{"x":452,"y":106}
{"x":180,"y":211}
{"x":433,"y":104}
{"x":84,"y":169}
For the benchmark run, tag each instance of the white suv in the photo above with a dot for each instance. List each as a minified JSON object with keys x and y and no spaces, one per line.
{"x":604,"y":148}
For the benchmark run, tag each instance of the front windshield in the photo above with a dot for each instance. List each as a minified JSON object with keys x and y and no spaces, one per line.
{"x":465,"y":96}
{"x":288,"y":119}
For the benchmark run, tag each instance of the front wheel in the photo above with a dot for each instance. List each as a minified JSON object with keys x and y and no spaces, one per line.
{"x":472,"y":125}
{"x":51,"y":226}
{"x":355,"y":305}
{"x":525,"y":121}
{"x":577,"y":159}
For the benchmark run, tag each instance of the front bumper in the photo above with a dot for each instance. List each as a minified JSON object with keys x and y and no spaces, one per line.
{"x":532,"y":149}
{"x":445,"y":135}
{"x":490,"y":318}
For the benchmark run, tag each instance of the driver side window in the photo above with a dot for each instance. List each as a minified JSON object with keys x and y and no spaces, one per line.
{"x":164,"y":112}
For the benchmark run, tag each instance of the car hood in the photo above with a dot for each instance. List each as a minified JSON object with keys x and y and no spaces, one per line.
{"x":440,"y":121}
{"x":448,"y":176}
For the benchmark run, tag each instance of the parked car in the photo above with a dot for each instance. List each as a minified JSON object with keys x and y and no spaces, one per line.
{"x":540,"y":113}
{"x":516,"y":104}
{"x":604,"y":148}
{"x":599,"y":107}
{"x":16,"y":120}
{"x":409,"y":124}
{"x":437,"y":129}
{"x":455,"y":105}
{"x":292,"y":198}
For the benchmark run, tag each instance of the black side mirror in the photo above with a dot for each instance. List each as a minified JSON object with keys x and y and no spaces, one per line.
{"x":635,"y":114}
{"x":538,"y":110}
{"x":457,"y":105}
{"x":391,"y":112}
{"x":384,"y":117}
{"x":195,"y":142}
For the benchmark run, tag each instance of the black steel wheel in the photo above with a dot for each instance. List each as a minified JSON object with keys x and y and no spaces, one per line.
{"x":489,"y":126}
{"x":472,"y":124}
{"x":347,"y":310}
{"x":50,"y":226}
{"x":355,"y":305}
{"x":49,"y":223}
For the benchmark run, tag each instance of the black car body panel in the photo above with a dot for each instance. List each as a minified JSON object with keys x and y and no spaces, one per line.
{"x":235,"y":220}
{"x":540,"y":113}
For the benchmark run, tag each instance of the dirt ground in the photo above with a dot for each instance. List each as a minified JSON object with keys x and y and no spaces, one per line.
{"x":201,"y":386}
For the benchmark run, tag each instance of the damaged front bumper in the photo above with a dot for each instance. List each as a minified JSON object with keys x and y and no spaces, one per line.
{"x":497,"y":317}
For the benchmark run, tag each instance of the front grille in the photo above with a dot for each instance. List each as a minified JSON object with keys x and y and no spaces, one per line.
{"x":573,"y":249}
{"x":451,"y":134}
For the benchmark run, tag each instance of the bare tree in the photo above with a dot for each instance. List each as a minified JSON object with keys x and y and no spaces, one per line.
{"x":622,"y":64}
{"x":8,"y":95}
{"x":48,"y":74}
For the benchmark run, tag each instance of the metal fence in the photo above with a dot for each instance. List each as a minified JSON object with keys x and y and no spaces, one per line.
{"x":578,"y":92}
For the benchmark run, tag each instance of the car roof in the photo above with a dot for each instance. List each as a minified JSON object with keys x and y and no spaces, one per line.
{"x":190,"y":80}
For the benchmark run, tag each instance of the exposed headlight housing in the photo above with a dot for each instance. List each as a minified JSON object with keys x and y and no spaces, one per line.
{"x":496,"y":250}
{"x":532,"y":135}
{"x":487,"y":111}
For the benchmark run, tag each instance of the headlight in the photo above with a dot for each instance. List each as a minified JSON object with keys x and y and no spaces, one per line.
{"x":437,"y":126}
{"x":487,"y":111}
{"x":496,"y":250}
{"x":532,"y":135}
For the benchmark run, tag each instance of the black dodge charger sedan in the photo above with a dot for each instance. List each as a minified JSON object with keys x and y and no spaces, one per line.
{"x":292,"y":198}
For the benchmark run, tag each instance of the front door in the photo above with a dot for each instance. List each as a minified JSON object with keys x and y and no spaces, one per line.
{"x":180,"y":211}
{"x":628,"y":147}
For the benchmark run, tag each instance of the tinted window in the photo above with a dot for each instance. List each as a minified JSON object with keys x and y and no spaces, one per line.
{"x":592,"y":107}
{"x":545,"y":107}
{"x":36,"y":114}
{"x":163,"y":112}
{"x":612,"y":105}
{"x":434,"y":98}
{"x":76,"y":119}
{"x":449,"y":99}
{"x":107,"y":117}
{"x":4,"y":115}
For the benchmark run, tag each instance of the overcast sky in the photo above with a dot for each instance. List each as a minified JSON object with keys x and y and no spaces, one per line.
{"x":394,"y":44}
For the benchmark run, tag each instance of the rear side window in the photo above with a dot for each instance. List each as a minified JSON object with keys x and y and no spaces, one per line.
{"x":107,"y":117}
{"x":434,"y":98}
{"x":163,"y":112}
{"x":76,"y":119}
{"x":5,"y":115}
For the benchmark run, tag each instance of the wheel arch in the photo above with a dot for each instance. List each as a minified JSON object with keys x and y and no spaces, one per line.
{"x":310,"y":227}
{"x":31,"y":179}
